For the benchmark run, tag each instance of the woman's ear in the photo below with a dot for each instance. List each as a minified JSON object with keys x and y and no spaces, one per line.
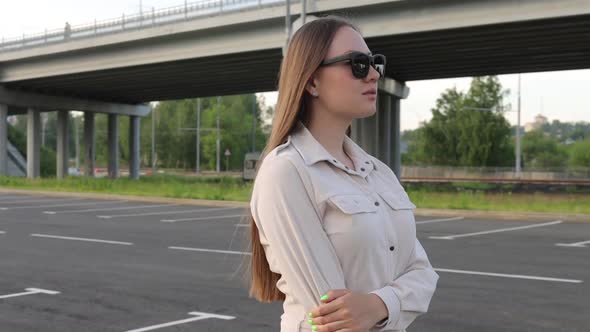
{"x":312,"y":86}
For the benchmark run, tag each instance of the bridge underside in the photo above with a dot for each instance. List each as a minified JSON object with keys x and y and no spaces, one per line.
{"x":528,"y":46}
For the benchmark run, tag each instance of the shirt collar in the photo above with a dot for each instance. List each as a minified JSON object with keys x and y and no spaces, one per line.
{"x":312,"y":152}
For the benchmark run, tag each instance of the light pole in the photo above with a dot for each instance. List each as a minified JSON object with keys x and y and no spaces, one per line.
{"x":518,"y":151}
{"x":198,"y":165}
{"x":218,"y":134}
{"x":254,"y":123}
{"x":198,"y":130}
{"x":153,"y":139}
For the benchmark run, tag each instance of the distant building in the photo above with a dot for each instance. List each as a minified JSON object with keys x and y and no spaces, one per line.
{"x":13,"y":120}
{"x":540,"y":120}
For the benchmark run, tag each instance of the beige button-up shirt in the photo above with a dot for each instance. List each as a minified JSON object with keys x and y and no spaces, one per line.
{"x":325,"y":226}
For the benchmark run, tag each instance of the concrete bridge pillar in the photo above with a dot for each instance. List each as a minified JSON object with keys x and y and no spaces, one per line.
{"x":3,"y":140}
{"x":113,"y":146}
{"x":379,"y":135}
{"x":134,"y":147}
{"x":62,"y":144}
{"x":89,"y":143}
{"x":33,"y":143}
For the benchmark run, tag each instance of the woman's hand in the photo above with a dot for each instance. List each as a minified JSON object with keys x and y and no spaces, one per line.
{"x":347,"y":311}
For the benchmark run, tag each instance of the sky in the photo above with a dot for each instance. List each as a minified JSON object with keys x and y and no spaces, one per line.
{"x":557,"y":95}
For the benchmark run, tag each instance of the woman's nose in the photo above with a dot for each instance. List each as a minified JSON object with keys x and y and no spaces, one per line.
{"x":373,"y":74}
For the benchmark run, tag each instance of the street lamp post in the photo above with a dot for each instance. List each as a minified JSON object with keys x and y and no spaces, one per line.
{"x":518,"y":149}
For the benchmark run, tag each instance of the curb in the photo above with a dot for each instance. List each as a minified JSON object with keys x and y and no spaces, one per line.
{"x":423,"y":212}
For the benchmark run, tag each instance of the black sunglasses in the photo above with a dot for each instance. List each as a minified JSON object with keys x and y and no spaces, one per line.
{"x":360,"y":63}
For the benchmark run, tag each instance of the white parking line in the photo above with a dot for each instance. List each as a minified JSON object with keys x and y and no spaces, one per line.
{"x":202,"y":218}
{"x":576,"y":244}
{"x":30,"y":291}
{"x":2,"y":232}
{"x":212,"y":250}
{"x":439,"y":220}
{"x":163,"y":213}
{"x":201,"y":315}
{"x":451,"y":237}
{"x":42,"y":200}
{"x":82,"y":239}
{"x":61,"y":205}
{"x":8,"y":198}
{"x":109,"y":209}
{"x":514,"y":276}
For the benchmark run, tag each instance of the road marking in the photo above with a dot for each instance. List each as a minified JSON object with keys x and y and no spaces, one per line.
{"x":162,"y":213}
{"x":203,"y":218}
{"x":451,"y":237}
{"x":576,"y":244}
{"x":439,"y":220}
{"x":61,"y":205}
{"x":212,"y":250}
{"x":2,"y":232}
{"x":42,"y":200}
{"x":30,"y":291}
{"x":242,"y":225}
{"x":81,"y":239}
{"x":514,"y":276}
{"x":7,"y":198}
{"x":201,"y":316}
{"x":109,"y":209}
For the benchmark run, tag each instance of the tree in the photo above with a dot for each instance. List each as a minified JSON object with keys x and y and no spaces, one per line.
{"x":539,"y":150}
{"x":458,"y":135}
{"x":580,"y":154}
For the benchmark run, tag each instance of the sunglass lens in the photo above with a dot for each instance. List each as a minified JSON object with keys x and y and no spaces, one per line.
{"x":360,"y":65}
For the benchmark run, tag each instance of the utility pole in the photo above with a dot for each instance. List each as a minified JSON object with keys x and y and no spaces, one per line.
{"x":77,"y":146}
{"x":198,"y":168}
{"x":518,"y":152}
{"x":198,"y":130}
{"x":218,"y":134}
{"x":254,"y":123}
{"x":153,"y":140}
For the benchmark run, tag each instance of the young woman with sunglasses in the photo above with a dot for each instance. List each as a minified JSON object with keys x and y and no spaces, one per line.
{"x":333,"y":233}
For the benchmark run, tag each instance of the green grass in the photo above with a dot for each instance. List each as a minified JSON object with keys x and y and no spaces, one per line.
{"x":521,"y":202}
{"x":468,"y":197}
{"x":175,"y":186}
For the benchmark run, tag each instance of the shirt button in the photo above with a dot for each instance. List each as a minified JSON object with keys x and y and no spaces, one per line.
{"x":334,"y":160}
{"x":376,"y":203}
{"x":366,"y":162}
{"x":392,"y":248}
{"x":362,"y":169}
{"x":345,"y":166}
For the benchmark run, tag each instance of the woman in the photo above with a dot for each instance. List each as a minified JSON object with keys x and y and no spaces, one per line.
{"x":332,"y":230}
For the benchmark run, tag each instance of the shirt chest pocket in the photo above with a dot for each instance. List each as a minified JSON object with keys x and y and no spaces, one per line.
{"x":397,"y":200}
{"x":349,"y":213}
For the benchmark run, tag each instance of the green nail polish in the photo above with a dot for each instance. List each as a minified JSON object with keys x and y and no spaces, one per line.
{"x":325,"y":297}
{"x":313,"y":327}
{"x":310,"y":322}
{"x":310,"y":315}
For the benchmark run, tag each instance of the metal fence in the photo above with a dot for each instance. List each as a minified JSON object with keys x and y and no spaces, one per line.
{"x":187,"y":11}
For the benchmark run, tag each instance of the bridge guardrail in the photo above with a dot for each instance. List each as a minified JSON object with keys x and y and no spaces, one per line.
{"x":188,"y":11}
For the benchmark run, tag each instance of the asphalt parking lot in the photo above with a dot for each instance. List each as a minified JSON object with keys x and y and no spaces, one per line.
{"x":75,"y":264}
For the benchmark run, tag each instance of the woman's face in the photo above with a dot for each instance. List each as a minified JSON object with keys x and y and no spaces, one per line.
{"x":338,"y":90}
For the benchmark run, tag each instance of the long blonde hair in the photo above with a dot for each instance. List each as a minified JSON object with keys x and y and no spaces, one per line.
{"x":305,"y":52}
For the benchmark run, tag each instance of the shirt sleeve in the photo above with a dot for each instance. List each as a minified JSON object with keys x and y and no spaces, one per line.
{"x":409,"y":295}
{"x":287,"y":219}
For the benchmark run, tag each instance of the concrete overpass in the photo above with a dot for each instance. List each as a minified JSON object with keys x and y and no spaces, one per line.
{"x":121,"y":64}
